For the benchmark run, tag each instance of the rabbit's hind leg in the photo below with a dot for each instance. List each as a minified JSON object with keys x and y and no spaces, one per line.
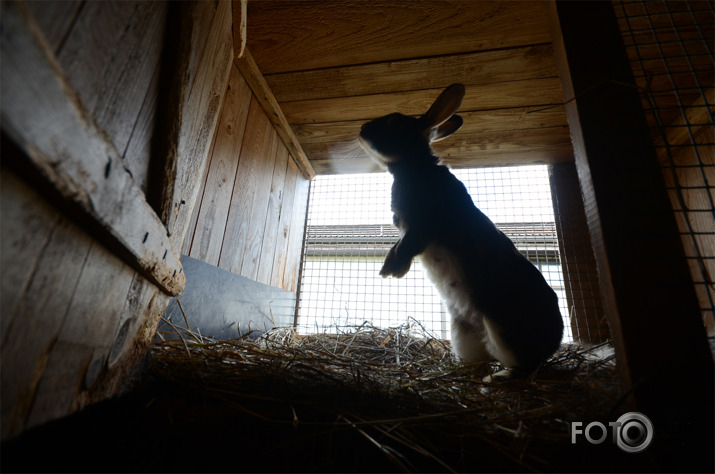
{"x":497,"y":347}
{"x":468,"y":341}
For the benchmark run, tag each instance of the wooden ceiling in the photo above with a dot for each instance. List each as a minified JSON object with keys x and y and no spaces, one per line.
{"x":333,"y":65}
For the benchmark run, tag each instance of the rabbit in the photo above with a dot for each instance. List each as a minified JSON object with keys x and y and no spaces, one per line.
{"x":500,"y":305}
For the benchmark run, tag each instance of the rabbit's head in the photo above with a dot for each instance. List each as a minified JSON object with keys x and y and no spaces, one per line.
{"x":396,"y":137}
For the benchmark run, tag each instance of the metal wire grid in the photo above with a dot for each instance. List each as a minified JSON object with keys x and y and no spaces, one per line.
{"x":349,"y":232}
{"x":670,"y":45}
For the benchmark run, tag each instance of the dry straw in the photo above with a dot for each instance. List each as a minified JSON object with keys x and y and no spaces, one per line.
{"x":402,"y":392}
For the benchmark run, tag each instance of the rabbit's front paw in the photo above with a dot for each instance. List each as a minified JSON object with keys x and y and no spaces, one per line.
{"x":393,"y":266}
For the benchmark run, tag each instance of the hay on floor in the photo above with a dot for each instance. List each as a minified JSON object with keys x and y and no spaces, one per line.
{"x":403,"y":393}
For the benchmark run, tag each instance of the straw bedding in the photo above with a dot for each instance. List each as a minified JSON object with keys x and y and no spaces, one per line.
{"x":370,"y":399}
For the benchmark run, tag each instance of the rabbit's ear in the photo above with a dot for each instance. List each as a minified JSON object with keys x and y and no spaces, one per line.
{"x":444,"y":107}
{"x":446,"y":129}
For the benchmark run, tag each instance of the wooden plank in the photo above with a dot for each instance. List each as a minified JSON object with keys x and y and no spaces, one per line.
{"x":333,"y":34}
{"x":648,"y":293}
{"x":530,"y":62}
{"x":297,"y":232}
{"x":259,"y":206}
{"x":79,"y":352}
{"x":189,"y":237}
{"x":240,"y":14}
{"x":269,"y":246}
{"x":536,"y":92}
{"x":263,"y":93}
{"x":38,"y":316}
{"x":55,"y":19}
{"x":213,"y":213}
{"x":519,"y":118}
{"x":27,"y":226}
{"x":209,"y":69}
{"x":110,"y":56}
{"x":43,"y":115}
{"x":286,"y":218}
{"x":137,"y":323}
{"x":250,"y":167}
{"x":499,"y":147}
{"x":137,"y":154}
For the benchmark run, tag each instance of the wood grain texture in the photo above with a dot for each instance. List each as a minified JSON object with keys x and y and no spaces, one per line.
{"x":55,"y":19}
{"x":269,"y":244}
{"x":340,"y":33}
{"x":536,"y":92}
{"x":41,"y":306}
{"x":296,"y":235}
{"x":219,"y":184}
{"x":489,"y":148}
{"x":46,"y":118}
{"x":210,"y":66}
{"x":79,"y":351}
{"x":110,"y":56}
{"x":256,"y":224}
{"x":27,"y":227}
{"x":250,"y":168}
{"x":278,"y":266}
{"x":519,"y":118}
{"x":264,"y":95}
{"x":530,"y":62}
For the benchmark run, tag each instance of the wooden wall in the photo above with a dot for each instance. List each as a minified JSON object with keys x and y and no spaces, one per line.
{"x":670,"y":53}
{"x":75,"y":317}
{"x":250,"y":214}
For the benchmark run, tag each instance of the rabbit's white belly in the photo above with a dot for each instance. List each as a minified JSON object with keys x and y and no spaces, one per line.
{"x":445,"y":271}
{"x":474,"y":337}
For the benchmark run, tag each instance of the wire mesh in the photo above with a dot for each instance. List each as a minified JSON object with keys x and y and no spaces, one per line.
{"x":349,"y":232}
{"x":670,"y":46}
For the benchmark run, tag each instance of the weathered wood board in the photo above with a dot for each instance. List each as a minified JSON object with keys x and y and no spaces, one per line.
{"x":208,"y":71}
{"x":80,"y":88}
{"x":250,"y":215}
{"x":46,"y":118}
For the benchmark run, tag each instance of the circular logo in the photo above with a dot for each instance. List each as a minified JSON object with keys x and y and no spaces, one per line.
{"x":634,"y":432}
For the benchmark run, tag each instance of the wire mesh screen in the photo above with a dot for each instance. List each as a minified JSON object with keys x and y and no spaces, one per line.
{"x":349,"y":232}
{"x":670,"y":45}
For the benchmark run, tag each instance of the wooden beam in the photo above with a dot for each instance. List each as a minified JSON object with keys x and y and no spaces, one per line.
{"x":263,"y":93}
{"x":489,"y":148}
{"x":544,"y":92}
{"x":203,"y":71}
{"x":486,"y":67}
{"x":519,"y":118}
{"x":648,"y":293}
{"x":45,"y":118}
{"x":240,"y":12}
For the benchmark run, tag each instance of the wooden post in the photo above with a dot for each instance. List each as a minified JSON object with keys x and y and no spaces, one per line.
{"x":663,"y":355}
{"x":588,"y":321}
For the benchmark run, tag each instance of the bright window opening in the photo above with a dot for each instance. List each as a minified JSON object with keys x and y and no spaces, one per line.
{"x":349,"y":231}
